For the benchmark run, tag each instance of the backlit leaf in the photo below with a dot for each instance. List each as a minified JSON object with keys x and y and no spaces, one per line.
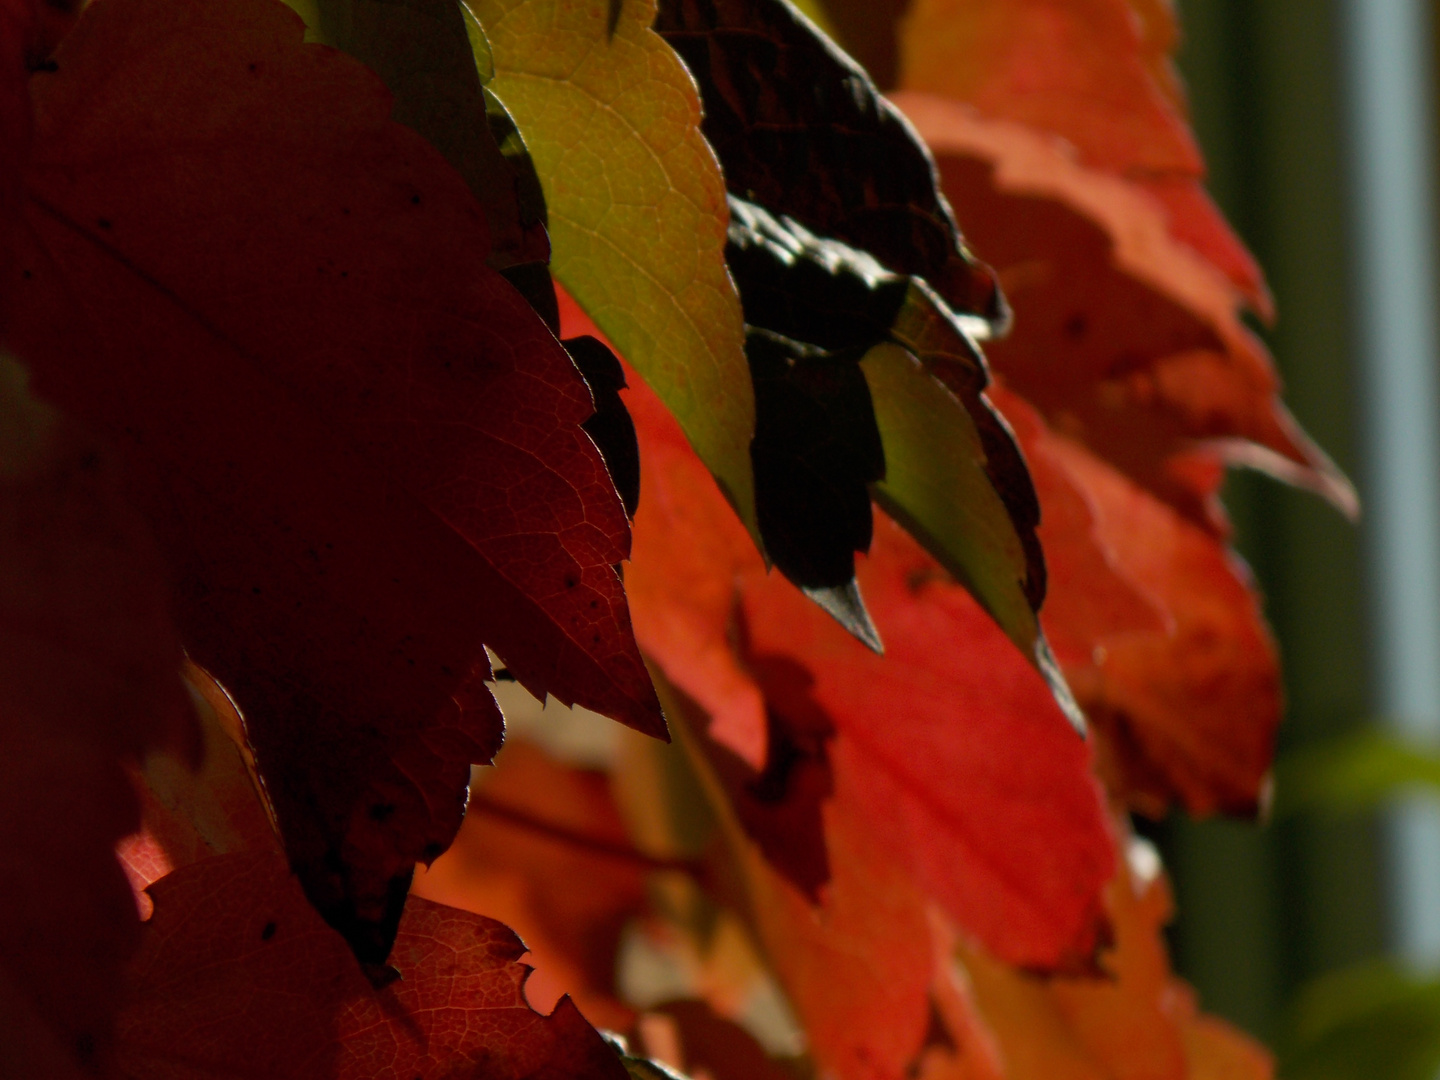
{"x":1096,"y":73}
{"x":636,"y":207}
{"x":1134,"y":1020}
{"x":275,"y":300}
{"x":236,"y":929}
{"x":544,"y":849}
{"x":929,"y":739}
{"x":1124,"y":337}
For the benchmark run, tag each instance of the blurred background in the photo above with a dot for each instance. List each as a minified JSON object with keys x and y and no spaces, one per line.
{"x":1317,"y":122}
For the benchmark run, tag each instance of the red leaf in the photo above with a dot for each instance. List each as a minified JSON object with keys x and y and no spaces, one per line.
{"x":89,"y":667}
{"x":1124,"y":338}
{"x":237,"y":976}
{"x":360,"y":448}
{"x":964,"y":765}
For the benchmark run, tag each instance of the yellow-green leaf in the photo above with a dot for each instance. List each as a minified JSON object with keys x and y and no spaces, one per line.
{"x":937,"y":487}
{"x":636,"y":207}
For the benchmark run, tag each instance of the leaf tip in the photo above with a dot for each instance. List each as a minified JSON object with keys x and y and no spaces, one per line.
{"x":847,"y":607}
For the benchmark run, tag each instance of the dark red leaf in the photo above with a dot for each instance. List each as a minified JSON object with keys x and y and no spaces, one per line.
{"x":237,"y":977}
{"x":359,"y":447}
{"x":89,"y":678}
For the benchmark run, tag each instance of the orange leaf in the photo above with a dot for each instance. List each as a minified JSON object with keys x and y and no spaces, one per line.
{"x":543,"y":850}
{"x":951,"y":737}
{"x":1095,"y":73}
{"x":1135,"y":1023}
{"x":1187,"y":711}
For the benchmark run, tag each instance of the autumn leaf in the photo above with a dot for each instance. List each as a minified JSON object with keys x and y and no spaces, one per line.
{"x":89,"y":679}
{"x":1137,"y":1021}
{"x":421,"y":49}
{"x":801,"y":130}
{"x":535,"y":829}
{"x":236,"y":929}
{"x":188,"y":813}
{"x":282,"y":315}
{"x":929,"y":769}
{"x":610,"y":110}
{"x":837,"y":418}
{"x":1157,"y":362}
{"x":1186,"y":710}
{"x":1096,"y":73}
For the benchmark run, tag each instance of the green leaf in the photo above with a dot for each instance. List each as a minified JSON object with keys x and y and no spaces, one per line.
{"x":1352,"y":773}
{"x":636,"y":208}
{"x":1368,"y":1021}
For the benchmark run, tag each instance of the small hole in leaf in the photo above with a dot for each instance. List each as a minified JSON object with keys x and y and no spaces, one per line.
{"x":268,"y":932}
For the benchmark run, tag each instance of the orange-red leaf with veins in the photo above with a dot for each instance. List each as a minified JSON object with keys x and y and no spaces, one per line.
{"x":544,"y":850}
{"x":359,"y":447}
{"x":961,"y":760}
{"x":89,"y":678}
{"x":238,"y":977}
{"x":1124,"y":337}
{"x":1096,"y":73}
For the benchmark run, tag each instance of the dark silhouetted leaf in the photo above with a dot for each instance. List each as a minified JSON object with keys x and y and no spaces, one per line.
{"x":800,"y":129}
{"x":611,"y":426}
{"x":816,"y":450}
{"x":957,"y":480}
{"x":359,"y":447}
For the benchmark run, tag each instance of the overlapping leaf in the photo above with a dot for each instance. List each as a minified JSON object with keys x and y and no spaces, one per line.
{"x":800,"y":130}
{"x":544,"y":850}
{"x":89,"y":678}
{"x":282,"y":314}
{"x":237,"y":976}
{"x":1138,"y":1021}
{"x":1156,"y":361}
{"x":1098,"y":74}
{"x":636,"y":206}
{"x":930,"y":734}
